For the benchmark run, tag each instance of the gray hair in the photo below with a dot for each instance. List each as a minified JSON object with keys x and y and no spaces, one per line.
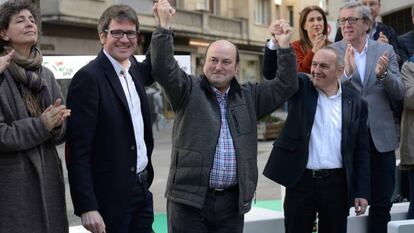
{"x":364,"y":11}
{"x":412,"y":11}
{"x":339,"y":59}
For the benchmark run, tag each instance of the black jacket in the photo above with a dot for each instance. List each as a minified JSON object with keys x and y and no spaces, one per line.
{"x":289,"y":156}
{"x":102,"y":153}
{"x":406,"y":45}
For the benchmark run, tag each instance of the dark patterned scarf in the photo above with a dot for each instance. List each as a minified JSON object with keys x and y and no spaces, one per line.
{"x":34,"y":90}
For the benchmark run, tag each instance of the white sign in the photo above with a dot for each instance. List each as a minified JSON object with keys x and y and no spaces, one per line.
{"x":64,"y":67}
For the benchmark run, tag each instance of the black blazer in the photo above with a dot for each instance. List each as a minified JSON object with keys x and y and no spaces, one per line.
{"x":101,"y":145}
{"x":406,"y":45}
{"x":289,"y":156}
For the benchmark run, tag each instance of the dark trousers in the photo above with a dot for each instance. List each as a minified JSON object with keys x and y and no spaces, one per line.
{"x":410,"y":214}
{"x":219,"y":215}
{"x":325,"y":196}
{"x":139,"y":214}
{"x":382,"y":188}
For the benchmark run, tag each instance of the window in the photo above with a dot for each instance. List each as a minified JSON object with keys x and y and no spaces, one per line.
{"x":214,"y":7}
{"x":400,"y":21}
{"x":262,"y":12}
{"x":291,"y":16}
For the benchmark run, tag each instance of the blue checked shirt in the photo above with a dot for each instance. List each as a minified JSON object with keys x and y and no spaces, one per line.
{"x":224,"y":171}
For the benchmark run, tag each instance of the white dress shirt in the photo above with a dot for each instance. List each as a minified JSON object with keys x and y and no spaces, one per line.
{"x":325,"y":139}
{"x":360,"y":61}
{"x":134,"y":105}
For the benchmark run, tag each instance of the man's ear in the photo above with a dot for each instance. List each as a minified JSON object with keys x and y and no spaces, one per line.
{"x":102,"y":37}
{"x":339,"y":71}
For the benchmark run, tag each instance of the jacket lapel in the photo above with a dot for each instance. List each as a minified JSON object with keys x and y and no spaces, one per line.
{"x":347,"y":105}
{"x":370,"y":64}
{"x":112,"y":77}
{"x":311,"y":108}
{"x":135,"y":70}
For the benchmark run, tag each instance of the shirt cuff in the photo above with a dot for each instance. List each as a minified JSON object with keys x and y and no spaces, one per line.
{"x":271,"y":45}
{"x":346,"y":75}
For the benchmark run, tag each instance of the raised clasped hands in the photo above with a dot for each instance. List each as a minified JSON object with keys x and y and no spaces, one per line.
{"x":54,"y":115}
{"x":163,"y":13}
{"x":281,"y":32}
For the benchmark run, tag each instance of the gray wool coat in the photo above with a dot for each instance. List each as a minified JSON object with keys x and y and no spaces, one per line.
{"x":407,"y":120}
{"x":32,"y":192}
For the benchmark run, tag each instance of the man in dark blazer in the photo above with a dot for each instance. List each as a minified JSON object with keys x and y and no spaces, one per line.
{"x":109,"y":134}
{"x":371,"y":68}
{"x":406,"y":42}
{"x":322,"y":154}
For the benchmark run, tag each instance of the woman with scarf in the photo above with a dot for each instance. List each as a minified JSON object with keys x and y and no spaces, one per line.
{"x":32,"y":116}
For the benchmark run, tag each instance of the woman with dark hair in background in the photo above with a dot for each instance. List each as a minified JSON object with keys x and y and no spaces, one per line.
{"x":32,"y":193}
{"x":313,"y":33}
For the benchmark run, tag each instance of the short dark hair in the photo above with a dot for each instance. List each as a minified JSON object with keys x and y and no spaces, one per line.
{"x":13,"y":7}
{"x":117,"y":12}
{"x":363,"y":10}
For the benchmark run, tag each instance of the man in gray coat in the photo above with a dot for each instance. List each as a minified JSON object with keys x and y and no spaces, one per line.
{"x":213,"y":173}
{"x":371,"y":68}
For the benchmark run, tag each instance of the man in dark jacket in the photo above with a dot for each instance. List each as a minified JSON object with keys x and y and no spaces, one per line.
{"x":322,"y":154}
{"x":213,"y":172}
{"x":406,"y":42}
{"x":110,"y":135}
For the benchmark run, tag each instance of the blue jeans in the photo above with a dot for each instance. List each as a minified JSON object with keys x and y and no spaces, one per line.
{"x":382,"y":188}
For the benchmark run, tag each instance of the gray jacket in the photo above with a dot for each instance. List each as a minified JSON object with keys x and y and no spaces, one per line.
{"x":378,"y":94}
{"x":197,"y":123}
{"x":407,"y":121}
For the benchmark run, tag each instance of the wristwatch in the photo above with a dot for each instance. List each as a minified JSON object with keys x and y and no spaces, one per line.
{"x":382,"y":76}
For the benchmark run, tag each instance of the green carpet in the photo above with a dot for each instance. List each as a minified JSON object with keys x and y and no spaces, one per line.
{"x":160,"y":219}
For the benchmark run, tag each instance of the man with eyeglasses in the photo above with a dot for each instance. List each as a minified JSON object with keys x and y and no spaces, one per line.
{"x":109,"y":140}
{"x":371,"y":68}
{"x":378,"y":31}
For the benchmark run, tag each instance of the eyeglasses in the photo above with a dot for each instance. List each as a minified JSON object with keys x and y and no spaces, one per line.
{"x":351,"y":20}
{"x":118,"y":34}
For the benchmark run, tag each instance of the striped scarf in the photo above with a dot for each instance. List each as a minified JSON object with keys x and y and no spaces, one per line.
{"x":34,"y":90}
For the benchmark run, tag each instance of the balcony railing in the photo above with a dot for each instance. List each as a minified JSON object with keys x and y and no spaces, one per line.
{"x":193,"y":23}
